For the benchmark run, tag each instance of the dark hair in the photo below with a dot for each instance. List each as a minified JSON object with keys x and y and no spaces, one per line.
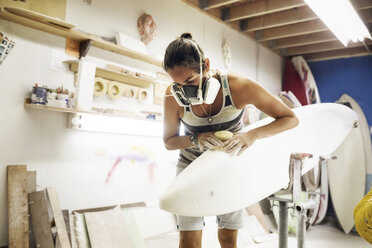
{"x":183,"y":52}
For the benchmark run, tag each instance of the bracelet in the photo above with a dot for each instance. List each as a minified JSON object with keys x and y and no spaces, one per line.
{"x":194,"y":139}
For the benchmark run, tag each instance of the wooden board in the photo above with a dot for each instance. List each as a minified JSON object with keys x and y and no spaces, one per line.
{"x":40,"y":219}
{"x":39,"y":17}
{"x":264,"y":166}
{"x":58,"y":217}
{"x":54,"y":8}
{"x":17,"y":206}
{"x":31,"y":181}
{"x":107,"y":229}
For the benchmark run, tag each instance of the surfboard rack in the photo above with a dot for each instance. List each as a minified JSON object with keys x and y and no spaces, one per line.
{"x":294,"y":188}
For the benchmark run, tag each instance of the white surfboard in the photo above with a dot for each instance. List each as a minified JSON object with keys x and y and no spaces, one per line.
{"x":347,"y":177}
{"x":218,"y":183}
{"x":363,"y":124}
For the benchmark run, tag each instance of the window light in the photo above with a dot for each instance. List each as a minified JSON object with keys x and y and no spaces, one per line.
{"x":111,"y":124}
{"x":341,"y":18}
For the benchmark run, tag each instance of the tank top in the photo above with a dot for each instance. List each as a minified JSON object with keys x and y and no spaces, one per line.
{"x":228,"y":118}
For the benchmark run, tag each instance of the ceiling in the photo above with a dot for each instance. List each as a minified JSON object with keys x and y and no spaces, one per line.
{"x":288,"y":27}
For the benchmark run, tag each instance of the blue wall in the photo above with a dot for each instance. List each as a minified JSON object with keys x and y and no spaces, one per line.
{"x":352,"y":76}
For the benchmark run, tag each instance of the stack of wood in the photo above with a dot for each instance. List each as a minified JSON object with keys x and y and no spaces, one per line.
{"x":35,"y":218}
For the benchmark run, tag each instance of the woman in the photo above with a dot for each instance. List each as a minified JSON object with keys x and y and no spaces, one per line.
{"x":203,"y":114}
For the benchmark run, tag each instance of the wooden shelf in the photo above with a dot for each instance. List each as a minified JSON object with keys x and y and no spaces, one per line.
{"x":114,"y":76}
{"x":109,"y":112}
{"x":51,"y":28}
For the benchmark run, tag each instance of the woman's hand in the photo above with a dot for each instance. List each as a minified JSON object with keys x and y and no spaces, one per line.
{"x":208,"y":140}
{"x":239,"y":142}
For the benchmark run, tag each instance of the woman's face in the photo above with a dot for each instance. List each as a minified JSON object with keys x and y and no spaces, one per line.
{"x":182,"y":75}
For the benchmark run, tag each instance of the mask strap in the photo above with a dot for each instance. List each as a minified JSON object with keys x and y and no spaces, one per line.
{"x":201,"y":70}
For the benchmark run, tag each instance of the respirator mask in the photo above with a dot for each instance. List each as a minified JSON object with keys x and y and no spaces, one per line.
{"x":203,"y":93}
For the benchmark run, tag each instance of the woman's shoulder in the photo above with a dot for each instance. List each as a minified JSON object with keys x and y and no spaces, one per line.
{"x":239,"y":82}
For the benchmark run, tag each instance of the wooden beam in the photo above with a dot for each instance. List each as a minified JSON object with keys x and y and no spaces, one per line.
{"x":40,"y":219}
{"x":307,"y":39}
{"x":262,"y":7}
{"x":281,"y":18}
{"x":58,"y":217}
{"x":31,"y":187}
{"x":321,"y":47}
{"x":343,"y":53}
{"x":302,"y":40}
{"x":362,"y":4}
{"x":17,"y":206}
{"x":291,"y":30}
{"x":212,"y":4}
{"x":366,"y":15}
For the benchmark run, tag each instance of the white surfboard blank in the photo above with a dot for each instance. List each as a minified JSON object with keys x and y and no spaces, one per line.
{"x":217,"y":183}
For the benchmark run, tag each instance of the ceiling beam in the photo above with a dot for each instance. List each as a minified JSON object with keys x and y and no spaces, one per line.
{"x":302,"y":28}
{"x":362,"y":4}
{"x":302,"y":40}
{"x":321,"y":47}
{"x":261,"y":7}
{"x":212,"y":4}
{"x":281,"y":18}
{"x":343,"y":53}
{"x":291,"y":30}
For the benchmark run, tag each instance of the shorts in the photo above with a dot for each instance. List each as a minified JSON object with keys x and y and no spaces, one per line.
{"x":233,"y":220}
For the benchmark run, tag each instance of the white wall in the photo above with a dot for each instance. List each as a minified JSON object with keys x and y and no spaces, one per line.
{"x":77,"y":162}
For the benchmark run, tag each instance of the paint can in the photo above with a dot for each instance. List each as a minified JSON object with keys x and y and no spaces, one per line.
{"x":39,"y":95}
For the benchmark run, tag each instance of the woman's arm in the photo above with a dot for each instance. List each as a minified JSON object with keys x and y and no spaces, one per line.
{"x":171,"y":124}
{"x":244,"y":92}
{"x":171,"y":128}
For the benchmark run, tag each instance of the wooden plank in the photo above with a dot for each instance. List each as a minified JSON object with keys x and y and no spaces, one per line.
{"x":281,"y":18}
{"x":292,"y":30}
{"x":55,"y":8}
{"x":105,"y":45}
{"x":66,"y":218}
{"x":362,"y":4}
{"x":262,"y":7}
{"x":17,"y":206}
{"x":40,"y":219}
{"x":115,"y":76}
{"x":107,"y":229}
{"x":321,"y":47}
{"x":58,"y":217}
{"x":306,"y":39}
{"x":343,"y":53}
{"x":39,"y":17}
{"x":31,"y":182}
{"x":128,"y":205}
{"x":212,"y":4}
{"x":45,"y":27}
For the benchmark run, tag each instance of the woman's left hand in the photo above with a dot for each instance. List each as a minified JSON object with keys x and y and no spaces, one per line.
{"x":239,"y":142}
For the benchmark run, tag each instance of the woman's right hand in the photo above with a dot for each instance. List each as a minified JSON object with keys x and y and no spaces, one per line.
{"x":208,"y":140}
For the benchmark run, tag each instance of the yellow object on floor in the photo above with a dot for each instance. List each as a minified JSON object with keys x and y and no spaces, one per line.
{"x":363,"y":217}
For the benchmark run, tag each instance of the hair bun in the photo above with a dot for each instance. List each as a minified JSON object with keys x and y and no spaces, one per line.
{"x":186,"y":36}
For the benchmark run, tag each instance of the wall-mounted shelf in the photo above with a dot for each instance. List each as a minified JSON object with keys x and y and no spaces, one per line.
{"x":40,"y":24}
{"x":114,"y":76}
{"x":108,"y":112}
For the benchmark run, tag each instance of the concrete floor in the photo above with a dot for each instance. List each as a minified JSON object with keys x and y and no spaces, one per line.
{"x":325,"y":235}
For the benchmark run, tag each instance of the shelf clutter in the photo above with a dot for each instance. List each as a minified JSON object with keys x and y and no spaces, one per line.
{"x":143,"y":115}
{"x":38,"y":21}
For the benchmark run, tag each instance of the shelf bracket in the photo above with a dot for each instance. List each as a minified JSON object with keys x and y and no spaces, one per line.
{"x":84,"y":48}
